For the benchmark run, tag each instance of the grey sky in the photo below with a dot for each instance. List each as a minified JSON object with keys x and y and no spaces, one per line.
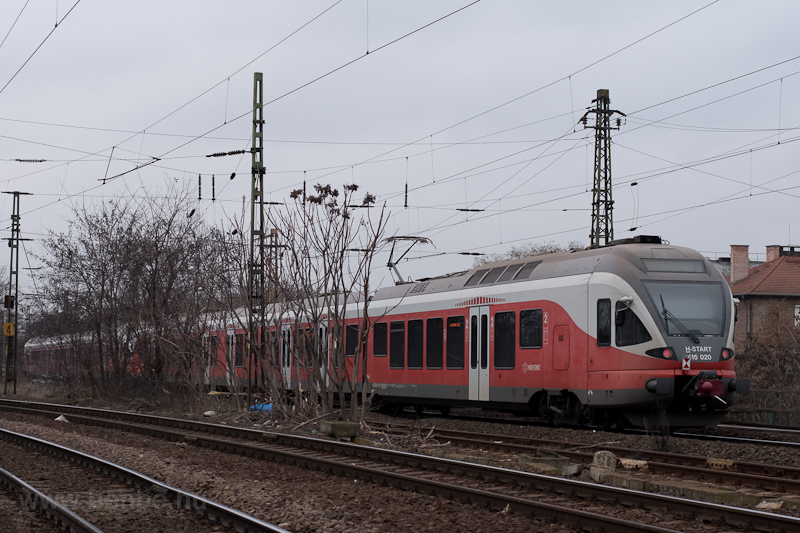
{"x":124,"y":66}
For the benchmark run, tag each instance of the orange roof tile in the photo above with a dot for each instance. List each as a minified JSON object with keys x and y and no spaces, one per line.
{"x":778,"y":277}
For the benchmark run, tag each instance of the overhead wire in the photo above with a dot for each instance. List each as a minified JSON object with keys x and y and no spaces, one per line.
{"x":587,"y":67}
{"x":14,"y":23}
{"x":550,"y":84}
{"x":284,"y":95}
{"x":134,"y":134}
{"x":40,"y":45}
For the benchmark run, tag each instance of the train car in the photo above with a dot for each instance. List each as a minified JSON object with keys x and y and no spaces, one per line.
{"x":639,"y":333}
{"x":49,"y":358}
{"x":61,"y":357}
{"x":636,"y":333}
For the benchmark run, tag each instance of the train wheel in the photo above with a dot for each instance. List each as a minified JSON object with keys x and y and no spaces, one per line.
{"x":604,"y":420}
{"x":445,"y":410}
{"x":419,"y":409}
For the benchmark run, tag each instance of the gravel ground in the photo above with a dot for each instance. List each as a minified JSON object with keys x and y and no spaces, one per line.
{"x":756,"y":453}
{"x":294,"y":498}
{"x":302,"y":500}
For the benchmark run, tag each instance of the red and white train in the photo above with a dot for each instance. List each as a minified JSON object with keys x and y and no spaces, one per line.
{"x":635,"y":333}
{"x":638,"y":333}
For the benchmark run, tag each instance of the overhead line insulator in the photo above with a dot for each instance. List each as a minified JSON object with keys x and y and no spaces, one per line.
{"x":223,"y":154}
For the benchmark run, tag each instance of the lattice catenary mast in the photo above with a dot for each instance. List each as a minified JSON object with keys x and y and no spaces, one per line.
{"x":255,"y":272}
{"x":602,"y":202}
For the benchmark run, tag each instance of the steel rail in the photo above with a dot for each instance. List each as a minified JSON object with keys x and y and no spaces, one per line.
{"x":228,"y":516}
{"x":39,"y":501}
{"x":756,"y":475}
{"x":756,"y":426}
{"x":279,"y":446}
{"x":584,"y":519}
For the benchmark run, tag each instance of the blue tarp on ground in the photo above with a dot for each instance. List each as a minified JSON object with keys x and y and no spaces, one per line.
{"x":261,"y":407}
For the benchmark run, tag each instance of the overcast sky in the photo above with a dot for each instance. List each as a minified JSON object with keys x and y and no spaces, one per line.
{"x":490,"y":96}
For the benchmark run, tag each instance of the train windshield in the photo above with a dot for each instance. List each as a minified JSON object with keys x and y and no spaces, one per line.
{"x":697,"y":307}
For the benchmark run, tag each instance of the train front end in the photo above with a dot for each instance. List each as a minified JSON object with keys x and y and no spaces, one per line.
{"x":673,"y":322}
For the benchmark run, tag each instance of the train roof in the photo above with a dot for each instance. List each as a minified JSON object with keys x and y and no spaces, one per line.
{"x":647,"y":254}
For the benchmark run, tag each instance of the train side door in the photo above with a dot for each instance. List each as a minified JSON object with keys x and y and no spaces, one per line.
{"x":479,"y":353}
{"x":286,"y":355}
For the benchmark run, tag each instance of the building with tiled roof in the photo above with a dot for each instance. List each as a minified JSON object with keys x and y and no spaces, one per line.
{"x":766,"y":293}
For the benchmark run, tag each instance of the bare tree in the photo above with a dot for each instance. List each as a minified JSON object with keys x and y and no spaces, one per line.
{"x":529,"y":249}
{"x":127,"y":278}
{"x":328,"y":241}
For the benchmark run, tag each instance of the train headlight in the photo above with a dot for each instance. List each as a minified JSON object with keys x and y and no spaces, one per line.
{"x":726,"y":354}
{"x":662,"y":353}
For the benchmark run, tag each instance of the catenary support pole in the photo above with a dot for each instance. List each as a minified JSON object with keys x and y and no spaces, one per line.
{"x":11,"y":300}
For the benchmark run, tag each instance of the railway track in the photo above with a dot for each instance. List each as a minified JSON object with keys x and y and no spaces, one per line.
{"x":109,"y":498}
{"x":711,"y":470}
{"x":17,"y":498}
{"x":586,"y":505}
{"x":754,"y":426}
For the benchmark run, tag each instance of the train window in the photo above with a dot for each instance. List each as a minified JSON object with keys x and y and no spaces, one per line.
{"x":484,"y":341}
{"x":239,"y":351}
{"x":604,"y":322}
{"x":213,"y":347}
{"x":275,"y":346}
{"x":415,"y":343}
{"x":308,"y":347}
{"x":397,"y":344}
{"x":505,"y":340}
{"x":379,"y":333}
{"x":350,"y":339}
{"x":692,"y":308}
{"x":526,"y":271}
{"x":492,"y":275}
{"x":675,"y":265}
{"x":455,"y":342}
{"x":509,"y":273}
{"x":476,"y":278}
{"x":473,"y":341}
{"x":434,"y":343}
{"x":629,"y":329}
{"x":530,"y":328}
{"x":286,"y":348}
{"x":322,"y":352}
